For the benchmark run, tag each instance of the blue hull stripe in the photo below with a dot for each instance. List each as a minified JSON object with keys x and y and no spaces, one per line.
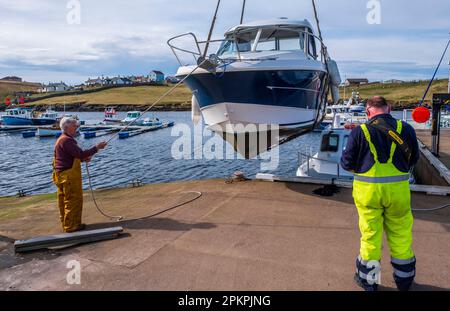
{"x":285,"y":88}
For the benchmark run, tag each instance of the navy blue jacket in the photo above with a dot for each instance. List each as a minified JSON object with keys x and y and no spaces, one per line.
{"x":358,"y":158}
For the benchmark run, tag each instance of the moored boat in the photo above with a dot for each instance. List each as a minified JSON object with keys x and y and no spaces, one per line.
{"x":111,"y":116}
{"x":48,"y":117}
{"x":18,"y":116}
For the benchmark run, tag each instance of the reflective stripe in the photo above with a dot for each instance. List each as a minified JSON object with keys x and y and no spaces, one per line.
{"x":404,"y":275}
{"x":382,"y":180}
{"x":374,"y":278}
{"x":403,"y":262}
{"x":362,"y":275}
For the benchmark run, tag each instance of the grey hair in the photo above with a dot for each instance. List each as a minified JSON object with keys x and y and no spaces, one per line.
{"x":65,"y":122}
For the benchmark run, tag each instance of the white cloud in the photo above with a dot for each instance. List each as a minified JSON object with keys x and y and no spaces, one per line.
{"x":122,"y":36}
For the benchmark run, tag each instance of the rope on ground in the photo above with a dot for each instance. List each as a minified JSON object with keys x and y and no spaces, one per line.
{"x":430,"y":209}
{"x":199,"y":194}
{"x":119,"y":218}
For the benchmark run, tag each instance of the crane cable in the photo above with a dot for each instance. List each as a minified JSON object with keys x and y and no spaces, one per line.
{"x":170,"y":91}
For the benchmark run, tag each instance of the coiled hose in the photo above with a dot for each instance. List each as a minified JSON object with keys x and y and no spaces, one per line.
{"x":119,"y":218}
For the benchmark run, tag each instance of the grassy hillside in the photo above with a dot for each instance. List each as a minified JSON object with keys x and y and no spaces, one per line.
{"x":140,"y":95}
{"x":9,"y":88}
{"x":410,"y":92}
{"x":399,"y":94}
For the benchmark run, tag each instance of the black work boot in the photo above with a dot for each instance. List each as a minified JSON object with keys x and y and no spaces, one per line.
{"x":403,"y":285}
{"x":364,"y":284}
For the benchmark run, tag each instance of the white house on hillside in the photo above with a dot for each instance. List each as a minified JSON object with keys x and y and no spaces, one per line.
{"x":94,"y":82}
{"x":121,"y":81}
{"x":55,"y":87}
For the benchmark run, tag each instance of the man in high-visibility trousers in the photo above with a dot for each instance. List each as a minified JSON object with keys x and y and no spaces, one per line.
{"x":67,"y":174}
{"x":381,"y":154}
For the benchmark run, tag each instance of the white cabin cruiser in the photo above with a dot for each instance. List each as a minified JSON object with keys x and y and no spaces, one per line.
{"x":131,"y":117}
{"x":326,"y":162}
{"x":274,"y":73}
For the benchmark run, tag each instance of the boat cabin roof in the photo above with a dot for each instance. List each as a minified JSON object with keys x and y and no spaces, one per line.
{"x":274,"y":23}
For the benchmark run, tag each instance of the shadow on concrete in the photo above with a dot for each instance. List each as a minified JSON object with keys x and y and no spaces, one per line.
{"x":9,"y":258}
{"x":426,"y":288}
{"x":344,"y":195}
{"x":415,"y":288}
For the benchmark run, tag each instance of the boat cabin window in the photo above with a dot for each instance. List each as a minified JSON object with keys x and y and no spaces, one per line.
{"x":269,"y":39}
{"x":242,"y":43}
{"x":330,"y":143}
{"x":133,"y":115}
{"x":281,"y":40}
{"x":312,"y":47}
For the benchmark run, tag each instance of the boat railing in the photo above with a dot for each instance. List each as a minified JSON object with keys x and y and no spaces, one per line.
{"x":175,"y":49}
{"x":304,"y":158}
{"x":197,"y":52}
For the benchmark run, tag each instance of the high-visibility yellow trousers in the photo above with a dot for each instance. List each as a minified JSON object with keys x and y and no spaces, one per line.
{"x":70,"y":196}
{"x":384,"y":207}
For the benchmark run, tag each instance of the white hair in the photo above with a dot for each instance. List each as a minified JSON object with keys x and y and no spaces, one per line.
{"x":65,"y":122}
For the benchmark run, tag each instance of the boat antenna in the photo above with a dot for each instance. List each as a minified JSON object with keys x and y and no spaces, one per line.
{"x":243,"y":11}
{"x":213,"y":23}
{"x":434,"y":75}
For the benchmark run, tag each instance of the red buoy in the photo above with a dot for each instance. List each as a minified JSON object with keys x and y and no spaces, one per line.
{"x":421,"y":115}
{"x":7,"y":101}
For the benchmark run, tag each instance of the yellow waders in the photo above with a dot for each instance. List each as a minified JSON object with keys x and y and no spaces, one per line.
{"x":70,"y":195}
{"x":383,"y":199}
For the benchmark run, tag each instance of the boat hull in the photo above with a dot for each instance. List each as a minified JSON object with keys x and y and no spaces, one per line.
{"x":43,"y":121}
{"x":288,"y":98}
{"x":10,"y":120}
{"x":42,"y":132}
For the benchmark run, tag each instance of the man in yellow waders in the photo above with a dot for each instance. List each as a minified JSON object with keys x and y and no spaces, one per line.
{"x":381,"y":154}
{"x":67,"y":174}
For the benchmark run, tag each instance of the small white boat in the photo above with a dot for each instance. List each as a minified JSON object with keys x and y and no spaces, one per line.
{"x":48,"y":132}
{"x":48,"y":117}
{"x":151,"y":122}
{"x":326,"y":162}
{"x":333,"y":110}
{"x":132,"y":116}
{"x":111,"y":116}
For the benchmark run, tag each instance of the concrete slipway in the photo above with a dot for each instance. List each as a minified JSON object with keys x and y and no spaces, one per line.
{"x":242,"y":236}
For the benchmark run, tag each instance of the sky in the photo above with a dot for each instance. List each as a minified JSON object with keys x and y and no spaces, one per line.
{"x":47,"y":41}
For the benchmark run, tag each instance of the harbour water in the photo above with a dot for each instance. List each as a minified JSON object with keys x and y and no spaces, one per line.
{"x":25,"y":164}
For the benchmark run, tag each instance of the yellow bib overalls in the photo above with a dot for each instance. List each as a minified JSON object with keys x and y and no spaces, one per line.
{"x":383,"y":199}
{"x":70,"y":195}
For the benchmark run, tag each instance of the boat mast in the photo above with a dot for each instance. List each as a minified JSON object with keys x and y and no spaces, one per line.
{"x":243,"y":12}
{"x":213,"y":23}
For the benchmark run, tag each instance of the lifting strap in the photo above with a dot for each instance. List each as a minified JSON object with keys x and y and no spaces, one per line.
{"x":381,"y":125}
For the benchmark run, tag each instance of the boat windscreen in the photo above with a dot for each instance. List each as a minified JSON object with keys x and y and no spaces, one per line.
{"x":242,"y":43}
{"x":281,"y":40}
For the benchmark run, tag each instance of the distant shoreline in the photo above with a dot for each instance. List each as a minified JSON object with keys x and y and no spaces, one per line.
{"x":85,"y":107}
